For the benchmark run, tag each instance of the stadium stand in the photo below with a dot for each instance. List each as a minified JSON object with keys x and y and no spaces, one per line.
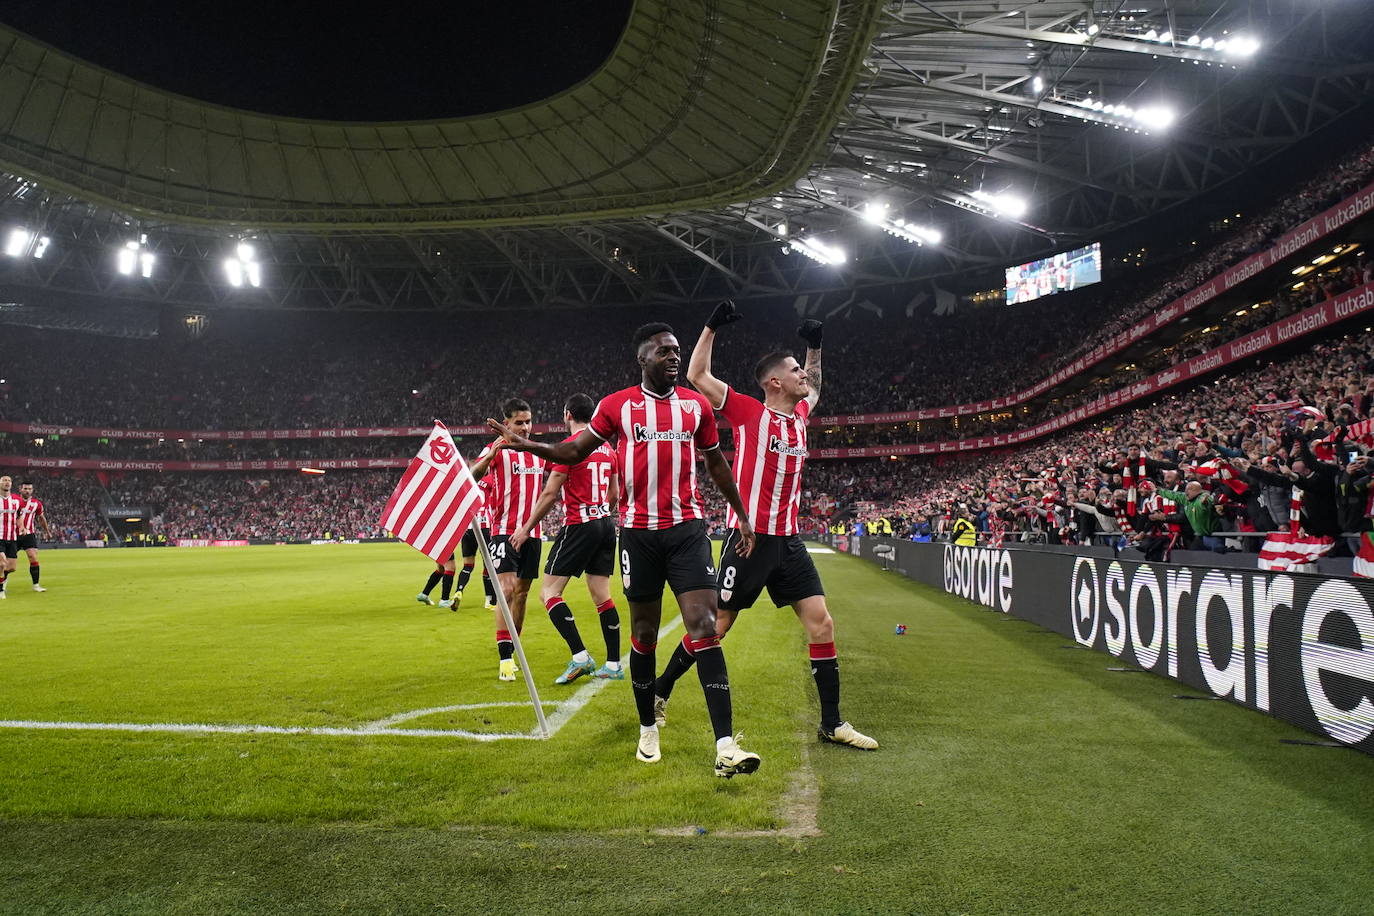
{"x":291,"y":372}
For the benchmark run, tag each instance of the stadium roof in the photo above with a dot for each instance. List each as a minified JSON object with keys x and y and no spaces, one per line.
{"x":688,"y":165}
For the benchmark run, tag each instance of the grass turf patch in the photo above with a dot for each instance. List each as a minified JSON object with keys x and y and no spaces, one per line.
{"x":1013,"y":777}
{"x":331,"y":636}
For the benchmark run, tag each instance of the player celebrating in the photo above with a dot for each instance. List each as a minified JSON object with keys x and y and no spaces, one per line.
{"x":654,"y":427}
{"x":9,"y":531}
{"x":513,"y":486}
{"x":31,"y":512}
{"x":770,"y":449}
{"x":585,"y":545}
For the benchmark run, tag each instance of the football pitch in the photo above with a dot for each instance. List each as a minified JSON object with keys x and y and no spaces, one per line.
{"x":285,"y":729}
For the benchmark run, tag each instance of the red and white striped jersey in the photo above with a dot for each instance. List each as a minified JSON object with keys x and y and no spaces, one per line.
{"x":514,"y":481}
{"x":655,"y":437}
{"x":770,"y":449}
{"x":588,"y":485}
{"x":29,"y":510}
{"x":484,"y":513}
{"x":9,"y":517}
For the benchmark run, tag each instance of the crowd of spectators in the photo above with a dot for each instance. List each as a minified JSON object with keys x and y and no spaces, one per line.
{"x":260,"y":371}
{"x":1064,"y":489}
{"x":295,"y":371}
{"x":1236,"y":447}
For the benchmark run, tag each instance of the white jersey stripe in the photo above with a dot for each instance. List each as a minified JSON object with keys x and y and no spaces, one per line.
{"x":627,"y":432}
{"x":675,"y":417}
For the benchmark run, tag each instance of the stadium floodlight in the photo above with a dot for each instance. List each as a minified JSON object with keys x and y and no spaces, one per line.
{"x":23,"y":241}
{"x":1037,"y":84}
{"x":1155,"y":117}
{"x":1242,"y":46}
{"x":818,"y":251}
{"x":875,"y":212}
{"x":127,"y":259}
{"x":17,"y":242}
{"x":243,"y":266}
{"x":1147,"y":118}
{"x":135,"y":256}
{"x":1004,"y":203}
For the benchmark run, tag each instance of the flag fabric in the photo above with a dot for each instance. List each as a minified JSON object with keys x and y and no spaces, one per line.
{"x":1276,"y":405}
{"x":436,"y":499}
{"x":1284,"y":551}
{"x":1364,"y":559}
{"x":1224,"y":471}
{"x":1362,"y":431}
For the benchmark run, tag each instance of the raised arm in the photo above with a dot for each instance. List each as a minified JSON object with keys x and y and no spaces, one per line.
{"x":481,"y":465}
{"x":569,"y":451}
{"x":720,"y":473}
{"x":552,"y":488}
{"x":810,"y":331}
{"x":699,"y":366}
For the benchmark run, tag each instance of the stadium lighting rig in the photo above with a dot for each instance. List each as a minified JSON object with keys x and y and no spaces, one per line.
{"x":876,"y":213}
{"x":1003,"y":203}
{"x":243,"y":267}
{"x":135,"y":256}
{"x":21,"y":242}
{"x":1144,"y":119}
{"x":816,"y":250}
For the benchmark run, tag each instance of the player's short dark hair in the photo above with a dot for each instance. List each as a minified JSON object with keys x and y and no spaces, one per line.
{"x":765,"y":366}
{"x":580,"y":407}
{"x":513,"y":406}
{"x":646,"y":331}
{"x":26,"y":483}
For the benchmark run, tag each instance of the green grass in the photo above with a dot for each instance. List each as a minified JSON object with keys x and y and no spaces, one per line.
{"x":1015,"y":775}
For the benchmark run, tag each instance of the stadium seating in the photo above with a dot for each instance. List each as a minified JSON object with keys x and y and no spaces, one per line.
{"x":298,"y":372}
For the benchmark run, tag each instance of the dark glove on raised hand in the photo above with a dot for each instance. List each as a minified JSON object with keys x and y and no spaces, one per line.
{"x":724,"y":314}
{"x":810,"y":331}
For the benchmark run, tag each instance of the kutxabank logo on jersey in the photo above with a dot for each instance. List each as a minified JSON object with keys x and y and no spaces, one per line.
{"x":980,"y":574}
{"x":1225,"y":623}
{"x":645,"y":434}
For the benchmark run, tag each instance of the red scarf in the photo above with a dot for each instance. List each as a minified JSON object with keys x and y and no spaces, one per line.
{"x":1132,"y":481}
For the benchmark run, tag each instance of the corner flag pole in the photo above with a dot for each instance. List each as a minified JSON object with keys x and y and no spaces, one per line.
{"x":510,"y":627}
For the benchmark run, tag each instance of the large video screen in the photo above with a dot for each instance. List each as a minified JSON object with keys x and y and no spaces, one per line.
{"x":1058,"y":273}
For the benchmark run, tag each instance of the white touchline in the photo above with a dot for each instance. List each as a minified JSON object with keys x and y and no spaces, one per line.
{"x":563,"y":712}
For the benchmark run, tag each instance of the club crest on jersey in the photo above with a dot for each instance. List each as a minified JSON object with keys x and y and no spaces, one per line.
{"x":689,"y":406}
{"x":645,"y":434}
{"x":782,"y":448}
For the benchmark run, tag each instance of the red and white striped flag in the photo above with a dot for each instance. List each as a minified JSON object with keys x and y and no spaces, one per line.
{"x":436,"y":499}
{"x":1291,"y":550}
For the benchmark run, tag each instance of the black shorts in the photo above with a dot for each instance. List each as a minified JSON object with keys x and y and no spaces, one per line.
{"x":28,"y":541}
{"x":679,"y":556}
{"x":588,"y":548}
{"x":469,"y":548}
{"x":9,"y":548}
{"x":778,"y":563}
{"x":523,"y":562}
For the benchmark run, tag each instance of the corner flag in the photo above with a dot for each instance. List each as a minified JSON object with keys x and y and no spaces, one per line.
{"x":436,"y":499}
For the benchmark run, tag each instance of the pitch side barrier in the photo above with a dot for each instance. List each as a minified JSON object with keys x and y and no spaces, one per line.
{"x":1299,"y":647}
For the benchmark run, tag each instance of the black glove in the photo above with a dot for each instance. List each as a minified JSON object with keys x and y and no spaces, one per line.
{"x":724,"y":314}
{"x":810,"y":331}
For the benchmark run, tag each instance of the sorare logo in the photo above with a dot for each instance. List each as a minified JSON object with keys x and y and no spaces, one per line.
{"x":980,"y":574}
{"x":1231,"y":615}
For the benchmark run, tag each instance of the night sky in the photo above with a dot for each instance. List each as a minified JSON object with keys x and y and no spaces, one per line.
{"x":399,"y":61}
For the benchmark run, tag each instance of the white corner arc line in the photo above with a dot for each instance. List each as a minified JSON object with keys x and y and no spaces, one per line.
{"x":563,"y":713}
